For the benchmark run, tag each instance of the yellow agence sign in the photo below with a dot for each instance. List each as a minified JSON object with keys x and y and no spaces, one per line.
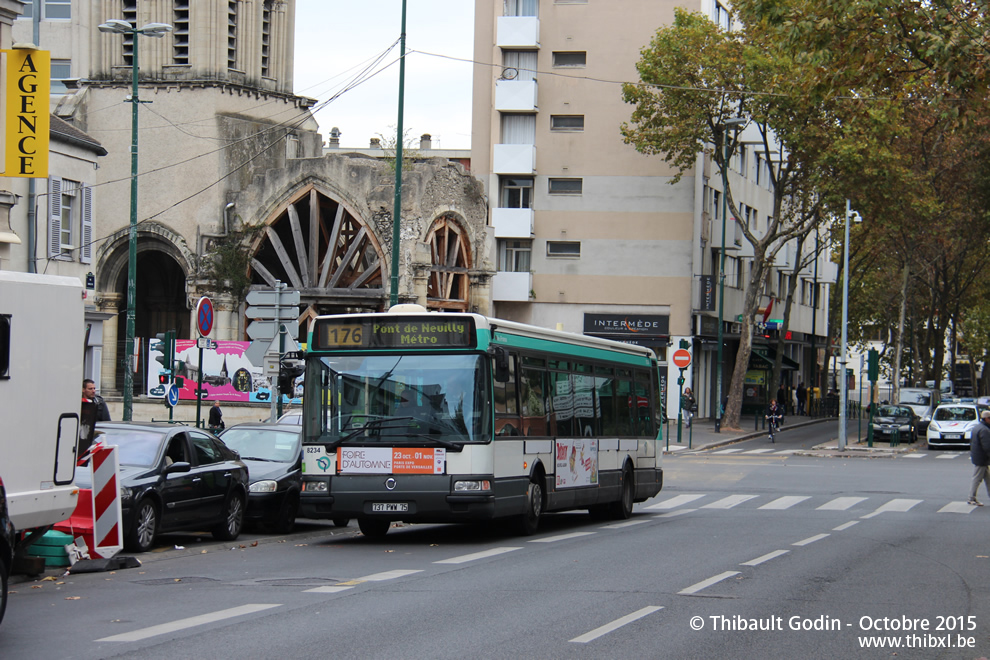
{"x":29,"y":75}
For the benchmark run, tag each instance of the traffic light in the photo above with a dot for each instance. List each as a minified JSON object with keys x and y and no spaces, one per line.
{"x":166,"y":345}
{"x":288,"y":371}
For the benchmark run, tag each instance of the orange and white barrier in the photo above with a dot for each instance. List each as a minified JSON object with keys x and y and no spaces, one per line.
{"x":97,"y":516}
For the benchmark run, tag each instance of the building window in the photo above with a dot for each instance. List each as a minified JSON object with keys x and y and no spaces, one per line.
{"x":70,"y":209}
{"x":266,"y":39}
{"x":564,"y":249}
{"x":70,"y":218}
{"x":570,"y":59}
{"x":517,"y":193}
{"x":717,"y":205}
{"x":514,"y":255}
{"x":232,"y":34}
{"x":180,"y":32}
{"x":567,"y":123}
{"x":51,"y":9}
{"x":721,"y":17}
{"x":519,"y":65}
{"x":521,"y":7}
{"x":518,"y":129}
{"x":61,"y":70}
{"x":566,"y":186}
{"x":129,"y":12}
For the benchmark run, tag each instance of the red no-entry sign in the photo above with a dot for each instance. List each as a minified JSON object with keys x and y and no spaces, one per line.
{"x":681,"y":358}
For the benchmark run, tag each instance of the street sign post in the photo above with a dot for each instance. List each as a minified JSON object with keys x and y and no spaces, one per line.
{"x":261,"y":330}
{"x":282,"y":313}
{"x":204,"y":316}
{"x":269,"y":298}
{"x":172,"y":396}
{"x":682,"y":359}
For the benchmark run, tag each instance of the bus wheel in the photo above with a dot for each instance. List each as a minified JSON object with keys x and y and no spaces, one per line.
{"x":622,"y":509}
{"x":374,"y":528}
{"x":529,"y":522}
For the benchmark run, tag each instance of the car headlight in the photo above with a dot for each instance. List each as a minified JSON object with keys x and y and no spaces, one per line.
{"x":125,"y":494}
{"x":267,"y":486}
{"x":478,"y":485}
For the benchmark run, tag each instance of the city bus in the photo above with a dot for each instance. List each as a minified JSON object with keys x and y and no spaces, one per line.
{"x":427,"y":417}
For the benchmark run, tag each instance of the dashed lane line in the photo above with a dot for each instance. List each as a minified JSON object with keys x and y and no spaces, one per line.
{"x":811,"y":539}
{"x":765,"y":558}
{"x":615,"y":625}
{"x":704,"y":584}
{"x":562,"y":537}
{"x":484,"y":554}
{"x":191,"y":622}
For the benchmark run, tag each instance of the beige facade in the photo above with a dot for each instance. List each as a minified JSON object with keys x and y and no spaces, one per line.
{"x":590,"y":233}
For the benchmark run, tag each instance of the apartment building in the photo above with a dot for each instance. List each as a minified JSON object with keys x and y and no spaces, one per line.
{"x":591,"y":235}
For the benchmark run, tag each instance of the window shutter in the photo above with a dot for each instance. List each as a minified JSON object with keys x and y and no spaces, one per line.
{"x":86,"y":246}
{"x":54,"y":217}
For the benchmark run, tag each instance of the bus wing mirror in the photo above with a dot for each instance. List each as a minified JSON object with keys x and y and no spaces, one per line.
{"x":501,"y":358}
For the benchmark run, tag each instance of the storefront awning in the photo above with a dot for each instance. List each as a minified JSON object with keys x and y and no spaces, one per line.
{"x":763,"y":357}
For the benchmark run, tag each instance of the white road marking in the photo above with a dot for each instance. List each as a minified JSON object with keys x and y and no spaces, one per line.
{"x":844,"y":526}
{"x":679,"y":512}
{"x":615,"y":625}
{"x":628,"y":523}
{"x":948,"y":457}
{"x":387,"y":575}
{"x":476,"y":555}
{"x":760,"y":451}
{"x":728,"y":451}
{"x":191,"y":622}
{"x":957,"y":507}
{"x":766,"y":557}
{"x":785,"y":502}
{"x":811,"y":539}
{"x":841,"y":504}
{"x":695,"y":588}
{"x":895,"y":506}
{"x":915,"y":455}
{"x":562,"y":537}
{"x":729,"y":502}
{"x":675,"y":448}
{"x":788,"y":451}
{"x":674,"y":502}
{"x":326,"y":590}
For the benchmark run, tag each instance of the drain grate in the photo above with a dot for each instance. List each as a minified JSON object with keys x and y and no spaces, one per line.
{"x":298,"y":582}
{"x":175,"y":580}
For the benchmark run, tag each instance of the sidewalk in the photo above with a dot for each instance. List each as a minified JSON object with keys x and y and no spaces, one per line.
{"x":702,"y":436}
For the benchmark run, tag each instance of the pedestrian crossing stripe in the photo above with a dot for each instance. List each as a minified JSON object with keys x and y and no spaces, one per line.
{"x":770,"y":451}
{"x":675,"y":505}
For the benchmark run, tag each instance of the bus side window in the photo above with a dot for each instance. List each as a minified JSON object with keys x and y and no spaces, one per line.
{"x":587,"y":414}
{"x":532,"y":401}
{"x":642,"y":411}
{"x":506,"y":406}
{"x":623,"y":400}
{"x":605,"y":398}
{"x":563,"y":402}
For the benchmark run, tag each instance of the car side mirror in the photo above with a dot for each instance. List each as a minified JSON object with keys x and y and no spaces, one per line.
{"x":181,"y":466}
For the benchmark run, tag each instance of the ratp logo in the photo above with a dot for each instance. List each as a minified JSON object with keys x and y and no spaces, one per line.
{"x":323,"y":463}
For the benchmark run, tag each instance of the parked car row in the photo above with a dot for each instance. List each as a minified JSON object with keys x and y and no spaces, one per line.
{"x":175,"y":477}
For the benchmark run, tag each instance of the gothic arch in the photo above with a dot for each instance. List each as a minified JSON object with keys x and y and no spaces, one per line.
{"x":111,"y":258}
{"x":448,"y":283}
{"x":316,"y":245}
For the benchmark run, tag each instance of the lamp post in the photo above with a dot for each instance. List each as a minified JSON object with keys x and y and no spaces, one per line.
{"x":157,"y":30}
{"x":843,"y":394}
{"x":397,"y":202}
{"x":733,"y":123}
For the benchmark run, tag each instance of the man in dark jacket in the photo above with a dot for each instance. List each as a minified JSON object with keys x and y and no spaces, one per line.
{"x":89,"y":394}
{"x":979,"y":453}
{"x":216,"y":418}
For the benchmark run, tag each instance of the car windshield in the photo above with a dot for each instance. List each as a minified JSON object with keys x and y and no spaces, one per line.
{"x":393,"y":399}
{"x":134,"y":446}
{"x":291,"y":418}
{"x":917,"y":398}
{"x":894,"y":411}
{"x":955,"y":414}
{"x":269,"y":444}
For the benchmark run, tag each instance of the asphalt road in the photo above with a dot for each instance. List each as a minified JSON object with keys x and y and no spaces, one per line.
{"x":836,"y":547}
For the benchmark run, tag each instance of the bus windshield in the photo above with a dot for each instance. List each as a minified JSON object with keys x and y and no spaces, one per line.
{"x":398,"y":399}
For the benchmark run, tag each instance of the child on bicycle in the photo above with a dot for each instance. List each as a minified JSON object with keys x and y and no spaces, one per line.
{"x":774,"y":416}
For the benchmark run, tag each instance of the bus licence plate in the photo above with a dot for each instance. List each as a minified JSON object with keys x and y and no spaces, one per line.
{"x":400,"y":507}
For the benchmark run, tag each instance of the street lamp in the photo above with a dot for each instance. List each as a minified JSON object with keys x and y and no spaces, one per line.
{"x":843,"y":394}
{"x":733,"y":123}
{"x":157,"y":30}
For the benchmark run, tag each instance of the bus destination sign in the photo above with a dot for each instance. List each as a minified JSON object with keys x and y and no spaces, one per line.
{"x":406,"y":332}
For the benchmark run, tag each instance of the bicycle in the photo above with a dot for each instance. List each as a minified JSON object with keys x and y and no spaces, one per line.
{"x":774,"y":425}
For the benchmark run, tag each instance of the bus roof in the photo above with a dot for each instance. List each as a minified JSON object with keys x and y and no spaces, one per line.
{"x":522,"y":330}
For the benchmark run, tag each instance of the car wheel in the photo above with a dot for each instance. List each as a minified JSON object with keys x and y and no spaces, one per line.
{"x":341,"y":522}
{"x":287,"y":514}
{"x":3,"y":587}
{"x":141,"y":536}
{"x":374,"y":528}
{"x":233,"y":519}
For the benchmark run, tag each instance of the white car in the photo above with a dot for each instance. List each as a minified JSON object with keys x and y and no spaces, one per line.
{"x":953,"y":423}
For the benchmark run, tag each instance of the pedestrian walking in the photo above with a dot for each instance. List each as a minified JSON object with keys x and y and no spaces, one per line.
{"x":782,"y":398}
{"x":216,"y":418}
{"x":689,"y":405}
{"x":979,"y":454}
{"x":802,"y":398}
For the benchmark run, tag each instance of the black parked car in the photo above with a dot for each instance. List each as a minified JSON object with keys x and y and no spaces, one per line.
{"x":6,"y":548}
{"x":900,"y":419}
{"x":273,"y":455}
{"x":173,"y":478}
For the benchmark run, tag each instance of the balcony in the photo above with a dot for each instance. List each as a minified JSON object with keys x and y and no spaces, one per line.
{"x":515,"y":95}
{"x":518,"y":32}
{"x":733,"y":235}
{"x":511,"y":287}
{"x":513,"y":223}
{"x":514,"y":159}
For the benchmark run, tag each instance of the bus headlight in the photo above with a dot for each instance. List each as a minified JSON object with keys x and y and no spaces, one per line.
{"x":267,"y":486}
{"x":315,"y":486}
{"x":476,"y":486}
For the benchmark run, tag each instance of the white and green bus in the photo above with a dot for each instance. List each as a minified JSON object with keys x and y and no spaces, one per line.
{"x":450,"y":417}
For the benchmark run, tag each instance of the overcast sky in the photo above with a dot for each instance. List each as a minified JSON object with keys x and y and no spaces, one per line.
{"x":336,"y":40}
